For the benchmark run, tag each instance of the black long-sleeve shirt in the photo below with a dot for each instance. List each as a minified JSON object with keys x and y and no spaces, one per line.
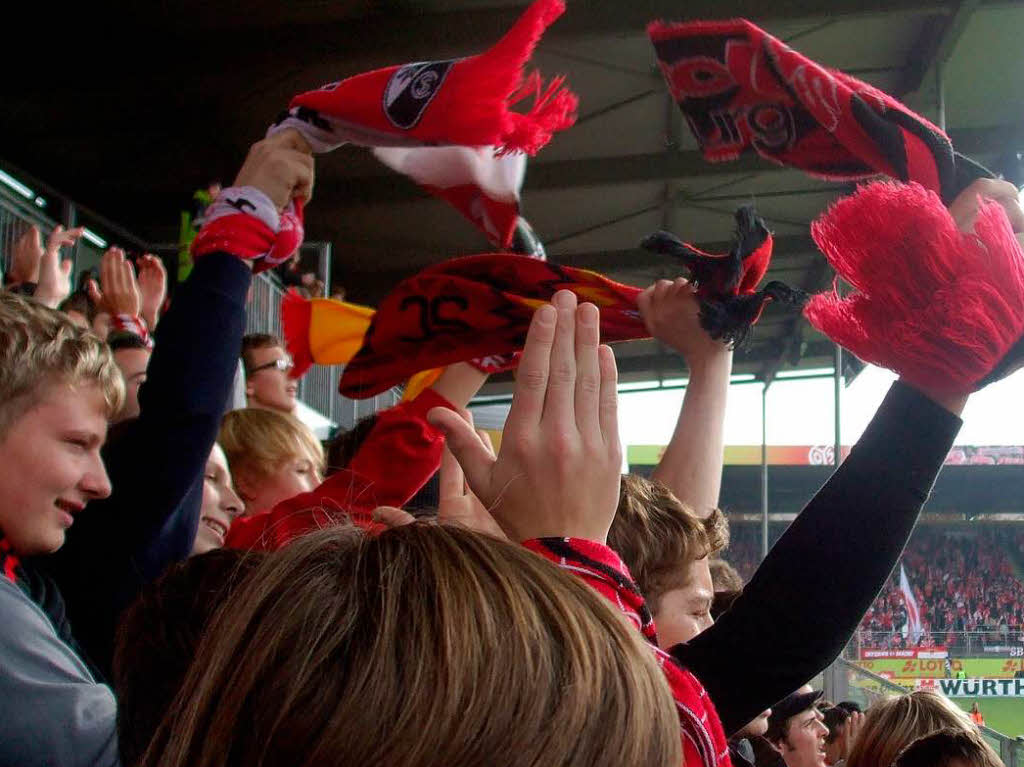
{"x":808,"y":596}
{"x":156,"y":462}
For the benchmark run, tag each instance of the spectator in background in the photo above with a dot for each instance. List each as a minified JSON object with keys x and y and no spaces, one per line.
{"x":893,"y":723}
{"x":267,"y":365}
{"x":843,"y":728}
{"x":724,"y":576}
{"x":273,"y":456}
{"x":190,"y":223}
{"x":220,"y":504}
{"x":976,"y":715}
{"x":666,"y":548}
{"x":797,"y":730}
{"x":132,"y":357}
{"x":158,"y":637}
{"x":949,"y":747}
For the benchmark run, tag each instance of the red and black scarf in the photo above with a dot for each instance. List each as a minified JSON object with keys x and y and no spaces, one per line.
{"x":741,"y":90}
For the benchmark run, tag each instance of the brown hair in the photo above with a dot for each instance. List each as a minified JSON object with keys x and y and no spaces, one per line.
{"x":252,"y":341}
{"x":948,"y":746}
{"x":658,"y":536}
{"x":39,"y":346}
{"x":344,"y":445}
{"x":891,"y":724}
{"x":724,"y":576}
{"x":158,"y":634}
{"x":256,"y":442}
{"x":424,"y":645}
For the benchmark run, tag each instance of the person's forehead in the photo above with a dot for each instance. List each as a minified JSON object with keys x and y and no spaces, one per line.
{"x":132,"y":359}
{"x":268,"y":353}
{"x":82,"y":406}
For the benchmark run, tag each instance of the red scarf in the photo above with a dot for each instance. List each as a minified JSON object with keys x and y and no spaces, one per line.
{"x":943,"y":309}
{"x":742,"y":89}
{"x":473,"y":307}
{"x":459,"y":103}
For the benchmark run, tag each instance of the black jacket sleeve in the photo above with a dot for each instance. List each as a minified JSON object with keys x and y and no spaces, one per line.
{"x":808,"y":596}
{"x":156,"y":462}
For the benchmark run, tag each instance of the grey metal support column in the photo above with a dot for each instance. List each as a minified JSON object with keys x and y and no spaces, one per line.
{"x":764,"y":470}
{"x":940,"y":93}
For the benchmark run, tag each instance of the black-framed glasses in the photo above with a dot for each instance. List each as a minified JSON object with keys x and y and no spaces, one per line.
{"x":283,"y":364}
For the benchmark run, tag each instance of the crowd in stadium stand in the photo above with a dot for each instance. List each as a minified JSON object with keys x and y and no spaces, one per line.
{"x":963,"y":582}
{"x":188,"y":577}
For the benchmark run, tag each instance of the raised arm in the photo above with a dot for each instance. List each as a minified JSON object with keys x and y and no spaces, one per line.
{"x":692,"y":464}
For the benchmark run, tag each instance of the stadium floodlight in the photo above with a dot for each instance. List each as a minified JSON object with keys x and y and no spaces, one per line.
{"x":16,"y":185}
{"x":94,"y":238}
{"x":40,"y":202}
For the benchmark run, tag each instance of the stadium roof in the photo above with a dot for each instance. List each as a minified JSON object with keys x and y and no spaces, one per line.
{"x":130,"y":123}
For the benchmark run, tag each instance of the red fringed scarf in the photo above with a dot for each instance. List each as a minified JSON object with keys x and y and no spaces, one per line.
{"x":463,"y":105}
{"x":742,"y":89}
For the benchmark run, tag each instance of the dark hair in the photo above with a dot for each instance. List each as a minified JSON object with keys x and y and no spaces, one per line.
{"x":123,"y":339}
{"x":158,"y":637}
{"x":343,"y":447}
{"x":851,"y":706}
{"x":80,"y":302}
{"x":252,"y":341}
{"x":834,"y":718}
{"x":943,"y":747}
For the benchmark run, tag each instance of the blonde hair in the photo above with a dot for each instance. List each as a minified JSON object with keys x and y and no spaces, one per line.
{"x":256,"y":442}
{"x":422,"y":646}
{"x":893,"y":723}
{"x":41,"y":346}
{"x":658,"y":536}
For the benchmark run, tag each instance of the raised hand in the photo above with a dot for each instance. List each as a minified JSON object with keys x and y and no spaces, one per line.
{"x":26,"y":254}
{"x":54,"y":283}
{"x":671,"y":312}
{"x":965,"y":207}
{"x":280,"y":166}
{"x":152,"y":280}
{"x":557,"y":471}
{"x":118,"y":291}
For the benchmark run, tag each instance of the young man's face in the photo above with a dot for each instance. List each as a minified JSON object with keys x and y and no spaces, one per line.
{"x":804,"y":745}
{"x":293,"y":476}
{"x":685,"y":611}
{"x":267,"y":386}
{"x":50,"y":467}
{"x":220,"y":504}
{"x":132,"y":364}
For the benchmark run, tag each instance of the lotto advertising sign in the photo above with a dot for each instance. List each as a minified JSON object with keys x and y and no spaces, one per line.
{"x":918,"y":668}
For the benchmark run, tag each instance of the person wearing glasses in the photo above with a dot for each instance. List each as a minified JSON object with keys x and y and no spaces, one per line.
{"x":267,"y":365}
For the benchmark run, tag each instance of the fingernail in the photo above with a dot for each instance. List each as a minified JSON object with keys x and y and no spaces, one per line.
{"x":588,"y":314}
{"x":547,"y":314}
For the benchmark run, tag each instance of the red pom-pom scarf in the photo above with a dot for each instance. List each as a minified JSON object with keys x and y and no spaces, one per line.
{"x":941,"y":307}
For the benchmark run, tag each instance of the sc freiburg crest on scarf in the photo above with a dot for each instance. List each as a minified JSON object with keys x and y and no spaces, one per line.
{"x":411,"y":89}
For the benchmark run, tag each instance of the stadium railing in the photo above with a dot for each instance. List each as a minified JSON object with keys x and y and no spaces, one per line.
{"x":845,"y":680}
{"x":22,"y":206}
{"x":957,"y":644}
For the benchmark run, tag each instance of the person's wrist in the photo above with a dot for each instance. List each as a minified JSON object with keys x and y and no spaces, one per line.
{"x":709,"y":359}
